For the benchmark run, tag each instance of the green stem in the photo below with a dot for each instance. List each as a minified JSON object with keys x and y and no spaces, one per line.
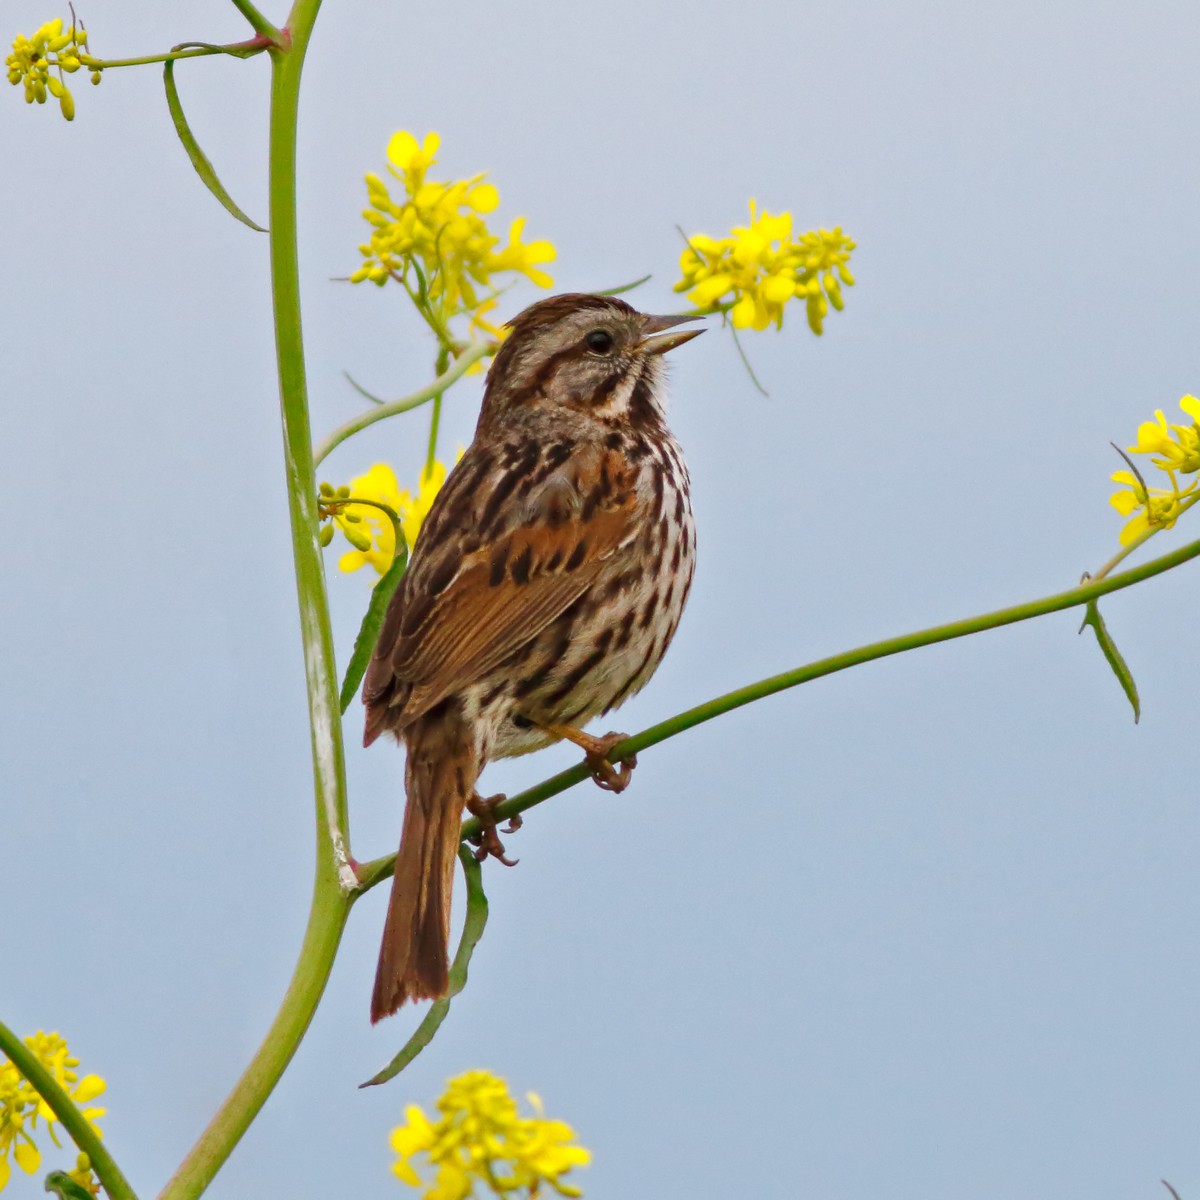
{"x":463,"y":363}
{"x":369,"y":874}
{"x":331,"y":901}
{"x":236,"y":49}
{"x":258,"y":22}
{"x":435,"y":421}
{"x":67,"y":1111}
{"x":336,"y":503}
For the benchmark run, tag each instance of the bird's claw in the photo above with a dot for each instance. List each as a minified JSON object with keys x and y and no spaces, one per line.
{"x":488,"y":840}
{"x":612,"y":777}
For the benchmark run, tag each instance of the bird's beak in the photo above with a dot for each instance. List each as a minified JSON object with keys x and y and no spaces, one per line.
{"x":665,"y":341}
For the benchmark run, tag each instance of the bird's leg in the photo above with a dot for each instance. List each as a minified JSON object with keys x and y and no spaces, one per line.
{"x":612,"y":778}
{"x":488,"y":840}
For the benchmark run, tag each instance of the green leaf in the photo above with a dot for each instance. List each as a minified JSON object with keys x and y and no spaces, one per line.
{"x":625,"y":287}
{"x":368,"y":633}
{"x":1109,"y":648}
{"x":362,"y":391}
{"x":61,"y":1184}
{"x":199,"y":160}
{"x":473,"y":926}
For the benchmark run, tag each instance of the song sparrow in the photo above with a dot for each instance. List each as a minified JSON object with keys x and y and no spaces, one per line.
{"x":547,"y":582}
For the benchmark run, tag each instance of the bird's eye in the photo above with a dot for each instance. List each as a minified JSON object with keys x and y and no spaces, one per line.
{"x":599,"y":341}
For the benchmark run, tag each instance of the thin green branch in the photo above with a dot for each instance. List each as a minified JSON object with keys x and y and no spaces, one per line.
{"x":469,"y":356}
{"x":331,"y":900}
{"x":67,"y":1111}
{"x":245,"y":49}
{"x":371,"y":873}
{"x":737,"y":341}
{"x":435,"y":418}
{"x":258,"y":22}
{"x":334,"y":503}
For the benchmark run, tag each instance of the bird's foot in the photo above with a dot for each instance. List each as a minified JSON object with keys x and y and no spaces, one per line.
{"x":612,"y":777}
{"x":488,"y":840}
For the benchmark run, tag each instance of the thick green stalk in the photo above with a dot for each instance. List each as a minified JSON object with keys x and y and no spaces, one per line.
{"x":67,"y":1111}
{"x":369,"y":874}
{"x":330,"y":903}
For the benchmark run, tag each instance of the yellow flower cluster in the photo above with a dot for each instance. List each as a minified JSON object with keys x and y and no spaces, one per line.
{"x":368,"y":529}
{"x":33,"y":58}
{"x":1175,"y":451}
{"x":436,"y":241}
{"x":758,"y":268}
{"x":480,"y":1140}
{"x":21,"y":1107}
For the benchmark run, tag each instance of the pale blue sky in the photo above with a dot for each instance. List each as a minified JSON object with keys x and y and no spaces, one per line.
{"x":921,"y":930}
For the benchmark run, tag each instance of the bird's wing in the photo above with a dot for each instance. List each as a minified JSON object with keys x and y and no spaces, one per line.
{"x":505,"y":550}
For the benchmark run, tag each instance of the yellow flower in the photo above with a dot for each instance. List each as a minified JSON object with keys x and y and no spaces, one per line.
{"x":1149,"y":508}
{"x":435,"y":240}
{"x":1178,"y":446}
{"x":522,"y":257}
{"x":21,"y":1107}
{"x":480,"y":1139}
{"x":755,"y":271}
{"x":33,"y":58}
{"x":369,"y":530}
{"x":413,"y":160}
{"x":1175,"y":451}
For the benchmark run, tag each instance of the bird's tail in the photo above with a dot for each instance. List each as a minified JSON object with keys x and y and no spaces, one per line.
{"x":439,"y":780}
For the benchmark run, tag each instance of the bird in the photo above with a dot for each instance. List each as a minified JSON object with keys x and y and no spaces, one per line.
{"x":543,"y":589}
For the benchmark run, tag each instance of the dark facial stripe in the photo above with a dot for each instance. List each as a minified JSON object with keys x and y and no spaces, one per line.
{"x":641,"y":407}
{"x":541,"y":378}
{"x":608,"y":385}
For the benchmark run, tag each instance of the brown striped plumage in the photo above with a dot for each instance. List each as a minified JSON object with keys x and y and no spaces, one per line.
{"x":544,"y":588}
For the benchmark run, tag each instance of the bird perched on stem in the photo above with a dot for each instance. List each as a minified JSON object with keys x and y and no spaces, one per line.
{"x":543,"y":590}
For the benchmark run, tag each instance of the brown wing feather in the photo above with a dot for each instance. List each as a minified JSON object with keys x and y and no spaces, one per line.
{"x":456,"y":619}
